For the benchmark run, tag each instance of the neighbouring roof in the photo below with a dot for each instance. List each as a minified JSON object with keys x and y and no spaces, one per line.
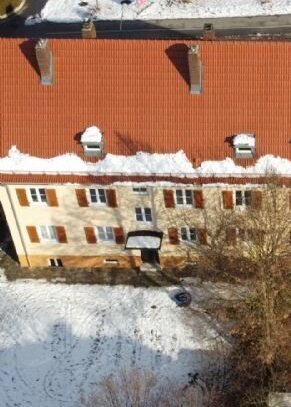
{"x":137,"y":93}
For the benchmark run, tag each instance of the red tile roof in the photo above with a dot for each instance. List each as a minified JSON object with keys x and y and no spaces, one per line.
{"x":137,"y":93}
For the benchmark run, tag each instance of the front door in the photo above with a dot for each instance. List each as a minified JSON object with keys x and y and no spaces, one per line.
{"x":150,"y":256}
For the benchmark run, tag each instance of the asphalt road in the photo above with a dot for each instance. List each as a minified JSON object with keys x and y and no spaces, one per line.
{"x":244,"y":27}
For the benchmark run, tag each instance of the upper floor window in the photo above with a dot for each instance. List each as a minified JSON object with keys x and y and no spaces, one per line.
{"x":188,"y":234}
{"x":48,"y":233}
{"x":243,"y":198}
{"x":92,"y":142}
{"x":38,"y":195}
{"x":97,"y":196}
{"x":139,"y":190}
{"x":106,"y":234}
{"x":143,"y":214}
{"x":184,"y":197}
{"x":244,"y":145}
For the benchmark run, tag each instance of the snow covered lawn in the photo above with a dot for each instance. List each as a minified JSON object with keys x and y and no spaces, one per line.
{"x":77,"y":10}
{"x":58,"y":340}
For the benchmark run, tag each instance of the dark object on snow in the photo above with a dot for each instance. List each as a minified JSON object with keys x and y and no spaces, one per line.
{"x":182,"y":298}
{"x":126,"y":2}
{"x":193,"y":378}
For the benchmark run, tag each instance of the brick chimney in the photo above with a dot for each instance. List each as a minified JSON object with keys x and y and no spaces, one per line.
{"x":208,"y":32}
{"x":45,"y":61}
{"x":195,"y":70}
{"x":88,"y":30}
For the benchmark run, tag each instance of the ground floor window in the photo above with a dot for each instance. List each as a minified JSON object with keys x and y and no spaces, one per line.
{"x":48,"y":233}
{"x":188,"y":234}
{"x":56,"y":262}
{"x":106,"y":233}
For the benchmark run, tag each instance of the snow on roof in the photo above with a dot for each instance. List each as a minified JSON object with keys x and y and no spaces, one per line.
{"x":91,"y":135}
{"x":244,"y":139}
{"x":140,"y":164}
{"x":76,"y":11}
{"x":143,"y":242}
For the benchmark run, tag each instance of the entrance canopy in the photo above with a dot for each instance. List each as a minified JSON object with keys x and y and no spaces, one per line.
{"x":144,"y":239}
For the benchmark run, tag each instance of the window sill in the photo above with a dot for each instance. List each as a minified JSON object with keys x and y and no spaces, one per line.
{"x":38,"y":204}
{"x":97,"y":205}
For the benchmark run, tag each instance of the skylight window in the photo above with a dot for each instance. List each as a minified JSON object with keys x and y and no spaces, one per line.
{"x":244,"y":145}
{"x":92,"y":142}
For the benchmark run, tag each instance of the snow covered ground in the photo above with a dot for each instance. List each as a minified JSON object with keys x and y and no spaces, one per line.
{"x":58,"y":340}
{"x":77,"y":10}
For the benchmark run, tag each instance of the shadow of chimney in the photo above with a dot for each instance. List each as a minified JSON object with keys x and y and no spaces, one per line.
{"x":77,"y":136}
{"x":229,"y":139}
{"x":27,"y":48}
{"x":178,"y":55}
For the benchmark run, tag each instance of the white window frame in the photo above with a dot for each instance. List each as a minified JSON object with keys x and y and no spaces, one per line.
{"x":140,"y":190}
{"x":188,"y":233}
{"x":47,"y":233}
{"x":98,"y":198}
{"x":143,"y":214}
{"x":58,"y":262}
{"x":105,"y":234}
{"x":244,"y":203}
{"x":39,"y":195}
{"x":184,"y":198}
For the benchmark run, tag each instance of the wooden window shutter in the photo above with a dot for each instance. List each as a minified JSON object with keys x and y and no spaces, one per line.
{"x":227,"y":199}
{"x":111,"y":198}
{"x":256,"y":199}
{"x":32,"y":233}
{"x":119,"y":235}
{"x":52,"y":199}
{"x":230,"y":236}
{"x":61,"y":233}
{"x":173,"y":236}
{"x":22,"y":197}
{"x":81,"y":197}
{"x":202,"y":236}
{"x":169,"y":198}
{"x":198,"y":199}
{"x":90,"y":234}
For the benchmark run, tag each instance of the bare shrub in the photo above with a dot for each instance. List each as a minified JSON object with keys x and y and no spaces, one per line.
{"x":136,"y":388}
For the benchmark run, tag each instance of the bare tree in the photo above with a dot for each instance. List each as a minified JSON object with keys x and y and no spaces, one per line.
{"x":250,"y":245}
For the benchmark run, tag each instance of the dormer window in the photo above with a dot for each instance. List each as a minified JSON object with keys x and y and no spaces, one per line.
{"x":244,"y":145}
{"x":92,"y":142}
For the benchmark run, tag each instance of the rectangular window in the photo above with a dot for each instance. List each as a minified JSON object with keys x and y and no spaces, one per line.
{"x":97,"y":196}
{"x":139,"y":190}
{"x":184,"y":197}
{"x":243,"y":198}
{"x":143,"y":214}
{"x":48,"y":233}
{"x":38,"y":195}
{"x":55,"y":262}
{"x":105,"y":234}
{"x":188,"y":234}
